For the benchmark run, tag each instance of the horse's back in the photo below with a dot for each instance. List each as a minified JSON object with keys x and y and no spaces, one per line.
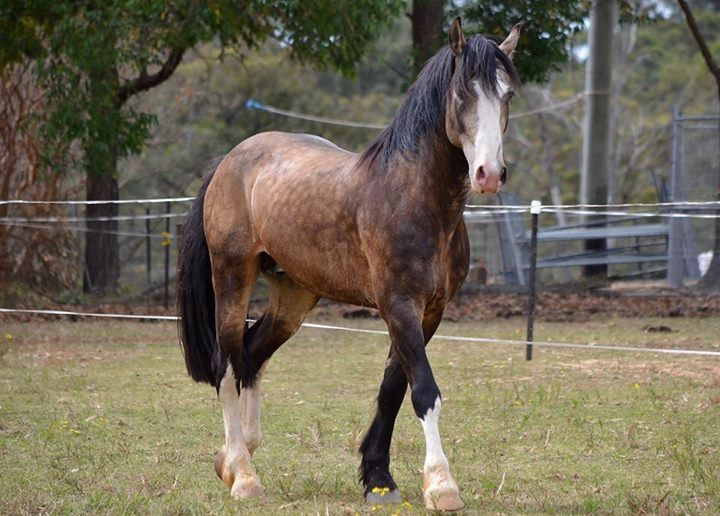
{"x":287,"y":144}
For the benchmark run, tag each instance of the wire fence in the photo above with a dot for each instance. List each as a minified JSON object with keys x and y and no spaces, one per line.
{"x":148,"y":230}
{"x":456,"y":338}
{"x":487,"y":218}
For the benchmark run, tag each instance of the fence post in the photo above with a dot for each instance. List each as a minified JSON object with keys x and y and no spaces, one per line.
{"x":148,"y":248}
{"x":535,"y":209}
{"x":675,"y":251}
{"x":167,"y":256}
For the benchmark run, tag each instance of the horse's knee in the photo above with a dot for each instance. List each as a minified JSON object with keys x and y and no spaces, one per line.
{"x":424,"y":396}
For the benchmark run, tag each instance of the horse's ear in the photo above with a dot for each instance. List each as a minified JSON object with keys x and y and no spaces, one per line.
{"x":456,"y":37}
{"x":508,"y":46}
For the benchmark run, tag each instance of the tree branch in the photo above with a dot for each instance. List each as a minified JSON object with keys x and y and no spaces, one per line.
{"x":145,"y":82}
{"x":700,"y":39}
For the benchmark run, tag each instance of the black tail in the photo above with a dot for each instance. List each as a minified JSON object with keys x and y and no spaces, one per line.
{"x":195,"y":296}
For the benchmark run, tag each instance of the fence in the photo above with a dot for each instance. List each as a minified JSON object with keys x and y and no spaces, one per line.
{"x":499,"y":236}
{"x":644,"y":244}
{"x":676,"y":248}
{"x":695,"y":175}
{"x":146,"y":231}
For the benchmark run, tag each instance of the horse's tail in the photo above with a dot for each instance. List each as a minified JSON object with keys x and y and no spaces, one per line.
{"x":196,"y":297}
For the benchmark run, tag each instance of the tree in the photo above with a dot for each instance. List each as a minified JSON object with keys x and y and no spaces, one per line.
{"x":549,"y":25}
{"x":29,"y":256}
{"x":205,"y":114}
{"x":711,"y":280}
{"x":597,"y":139}
{"x":428,"y":22}
{"x":92,"y":58}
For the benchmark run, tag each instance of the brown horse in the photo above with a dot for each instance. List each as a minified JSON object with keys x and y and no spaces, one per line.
{"x":382,"y":229}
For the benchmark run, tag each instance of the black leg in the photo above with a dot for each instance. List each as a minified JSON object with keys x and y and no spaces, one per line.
{"x":375,"y":448}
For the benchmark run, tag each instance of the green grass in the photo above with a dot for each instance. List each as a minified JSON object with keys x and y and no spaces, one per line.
{"x":100,"y":417}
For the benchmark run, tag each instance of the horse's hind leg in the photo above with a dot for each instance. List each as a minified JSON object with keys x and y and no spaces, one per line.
{"x":289,"y":304}
{"x":233,"y":280}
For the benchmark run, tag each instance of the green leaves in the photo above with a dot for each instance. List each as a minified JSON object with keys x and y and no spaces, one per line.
{"x":549,"y":25}
{"x":91,"y":57}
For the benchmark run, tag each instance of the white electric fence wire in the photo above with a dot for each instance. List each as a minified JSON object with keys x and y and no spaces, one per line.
{"x":117,"y":201}
{"x":633,"y":214}
{"x":93,"y":219}
{"x":88,"y":314}
{"x":88,"y":230}
{"x":569,"y":345}
{"x":473,"y":210}
{"x":675,"y":204}
{"x":471,"y":215}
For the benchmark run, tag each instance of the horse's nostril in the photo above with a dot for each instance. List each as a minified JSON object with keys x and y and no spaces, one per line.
{"x":480,"y":174}
{"x":503,"y":176}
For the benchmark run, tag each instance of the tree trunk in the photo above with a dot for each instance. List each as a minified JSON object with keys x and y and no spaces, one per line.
{"x":102,"y":253}
{"x":428,"y":18}
{"x":596,"y":133}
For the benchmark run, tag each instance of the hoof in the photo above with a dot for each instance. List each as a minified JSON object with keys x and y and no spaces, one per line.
{"x":249,"y":487}
{"x":379,"y":496}
{"x":440,"y":491}
{"x":443,"y":500}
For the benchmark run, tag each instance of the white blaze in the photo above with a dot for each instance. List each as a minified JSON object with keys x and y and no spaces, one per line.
{"x":485,"y":148}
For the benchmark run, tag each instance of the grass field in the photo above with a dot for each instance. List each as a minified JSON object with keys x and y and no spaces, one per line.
{"x":100,"y":417}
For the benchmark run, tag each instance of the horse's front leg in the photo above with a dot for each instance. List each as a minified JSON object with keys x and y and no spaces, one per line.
{"x":404,"y":321}
{"x":375,"y":449}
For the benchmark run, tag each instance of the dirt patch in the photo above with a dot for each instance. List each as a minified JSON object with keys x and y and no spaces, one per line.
{"x":562,"y":306}
{"x":568,"y":305}
{"x":559,"y":306}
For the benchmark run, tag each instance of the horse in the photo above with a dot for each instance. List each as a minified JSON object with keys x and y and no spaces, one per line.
{"x":382,"y":228}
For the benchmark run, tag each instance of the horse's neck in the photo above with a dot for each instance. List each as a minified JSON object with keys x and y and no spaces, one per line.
{"x":443,"y":172}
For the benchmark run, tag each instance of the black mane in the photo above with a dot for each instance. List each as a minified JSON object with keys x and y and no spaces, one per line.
{"x":422,"y":115}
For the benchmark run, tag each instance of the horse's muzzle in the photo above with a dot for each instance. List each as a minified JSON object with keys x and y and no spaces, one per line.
{"x":489,"y":181}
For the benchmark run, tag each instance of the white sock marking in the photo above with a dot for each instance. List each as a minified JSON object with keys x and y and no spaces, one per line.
{"x":434,"y":455}
{"x":230,"y":401}
{"x":250,"y":413}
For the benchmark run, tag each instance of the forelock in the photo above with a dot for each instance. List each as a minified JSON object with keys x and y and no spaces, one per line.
{"x":481,"y":61}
